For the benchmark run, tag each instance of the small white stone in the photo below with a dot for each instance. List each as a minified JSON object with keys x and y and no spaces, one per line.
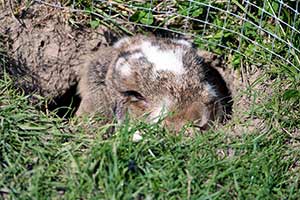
{"x":137,"y":136}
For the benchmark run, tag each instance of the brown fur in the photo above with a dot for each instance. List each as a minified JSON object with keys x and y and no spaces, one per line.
{"x":107,"y":91}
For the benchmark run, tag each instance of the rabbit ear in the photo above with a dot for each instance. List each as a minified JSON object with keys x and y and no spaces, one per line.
{"x":122,"y":42}
{"x":123,"y":75}
{"x":123,"y":67}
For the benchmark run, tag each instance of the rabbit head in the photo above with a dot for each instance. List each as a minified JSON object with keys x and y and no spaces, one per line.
{"x":163,"y":79}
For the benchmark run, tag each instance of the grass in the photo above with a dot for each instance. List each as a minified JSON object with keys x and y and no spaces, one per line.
{"x":45,"y":157}
{"x":42,"y":157}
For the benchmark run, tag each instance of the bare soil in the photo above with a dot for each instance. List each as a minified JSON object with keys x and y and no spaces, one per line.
{"x":44,"y":50}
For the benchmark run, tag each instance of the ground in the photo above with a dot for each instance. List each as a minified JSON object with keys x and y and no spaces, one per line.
{"x":45,"y":51}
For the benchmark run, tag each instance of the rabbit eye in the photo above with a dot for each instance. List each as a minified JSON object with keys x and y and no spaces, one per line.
{"x":133,"y":96}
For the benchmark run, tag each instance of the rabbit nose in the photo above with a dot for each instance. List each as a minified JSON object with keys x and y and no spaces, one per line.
{"x":175,"y":124}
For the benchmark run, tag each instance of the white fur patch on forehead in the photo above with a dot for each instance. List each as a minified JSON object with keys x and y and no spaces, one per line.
{"x":123,"y":67}
{"x":163,"y":60}
{"x":160,"y":110}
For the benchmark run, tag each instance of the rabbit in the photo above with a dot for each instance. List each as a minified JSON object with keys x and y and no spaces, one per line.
{"x":153,"y":78}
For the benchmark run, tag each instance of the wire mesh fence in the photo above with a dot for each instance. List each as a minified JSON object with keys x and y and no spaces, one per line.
{"x":265,"y":30}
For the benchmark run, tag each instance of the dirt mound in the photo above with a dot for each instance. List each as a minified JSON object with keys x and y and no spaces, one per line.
{"x":44,"y":49}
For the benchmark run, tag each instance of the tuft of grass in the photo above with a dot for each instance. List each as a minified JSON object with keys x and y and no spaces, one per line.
{"x":43,"y":157}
